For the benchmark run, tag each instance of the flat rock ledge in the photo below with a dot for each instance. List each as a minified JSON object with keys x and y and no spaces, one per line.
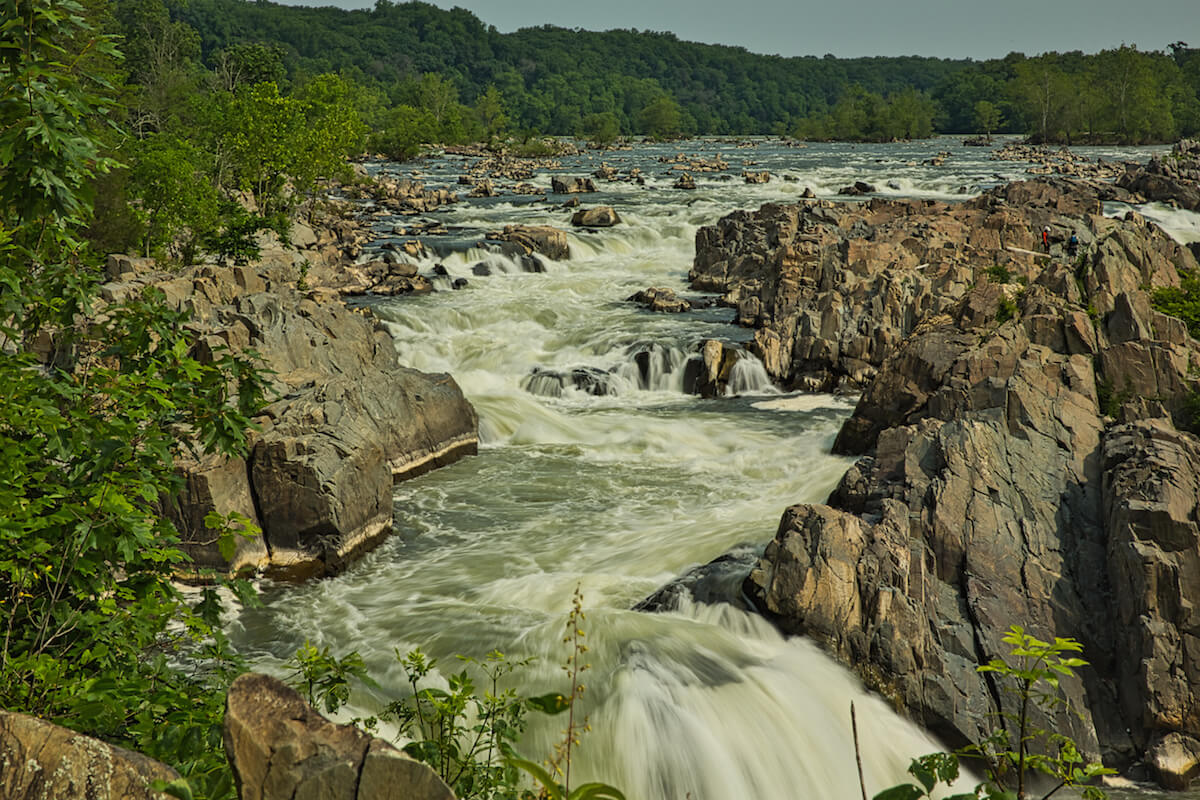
{"x":43,"y":761}
{"x":281,"y":749}
{"x":1024,"y":456}
{"x":346,"y":423}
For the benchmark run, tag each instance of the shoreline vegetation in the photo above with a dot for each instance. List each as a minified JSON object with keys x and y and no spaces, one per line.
{"x":184,"y":133}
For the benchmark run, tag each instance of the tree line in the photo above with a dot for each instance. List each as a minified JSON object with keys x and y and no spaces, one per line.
{"x":627,"y":82}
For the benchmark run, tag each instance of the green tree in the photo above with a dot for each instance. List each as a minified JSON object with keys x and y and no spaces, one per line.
{"x":601,"y":129}
{"x":490,"y":109}
{"x":660,"y":118}
{"x":94,"y":409}
{"x":176,"y":199}
{"x":987,"y":117}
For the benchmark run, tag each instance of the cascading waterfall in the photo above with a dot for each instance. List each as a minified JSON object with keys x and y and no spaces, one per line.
{"x":599,"y":471}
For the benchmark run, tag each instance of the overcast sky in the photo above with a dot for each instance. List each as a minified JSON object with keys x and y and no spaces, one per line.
{"x":948,"y":28}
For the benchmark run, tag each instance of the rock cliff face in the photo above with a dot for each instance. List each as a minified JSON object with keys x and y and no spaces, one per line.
{"x":1023,"y":460}
{"x":347,"y":420}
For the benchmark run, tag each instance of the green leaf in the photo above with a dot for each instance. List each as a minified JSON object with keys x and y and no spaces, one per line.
{"x":905,"y":791}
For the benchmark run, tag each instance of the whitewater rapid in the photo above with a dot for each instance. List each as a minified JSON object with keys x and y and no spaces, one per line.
{"x":617,"y":492}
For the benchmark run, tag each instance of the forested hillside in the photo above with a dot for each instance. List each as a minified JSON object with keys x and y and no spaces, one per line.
{"x":560,"y":81}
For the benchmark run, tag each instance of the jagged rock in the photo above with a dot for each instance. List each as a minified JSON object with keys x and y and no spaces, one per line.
{"x":832,"y":289}
{"x":348,"y":421}
{"x":757,"y":177}
{"x":596,"y":217}
{"x":543,"y":239}
{"x":989,"y":491}
{"x":1152,"y":513}
{"x":660,"y":299}
{"x":1174,"y":178}
{"x":717,"y":362}
{"x":281,"y":749}
{"x":42,"y":761}
{"x":571,"y":185}
{"x":685,"y":181}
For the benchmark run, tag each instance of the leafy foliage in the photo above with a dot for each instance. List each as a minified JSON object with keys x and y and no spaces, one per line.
{"x":1031,"y":674}
{"x":1181,"y":301}
{"x":94,"y":409}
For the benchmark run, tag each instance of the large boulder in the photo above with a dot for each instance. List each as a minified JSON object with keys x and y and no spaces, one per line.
{"x":281,"y":749}
{"x":560,"y":185}
{"x":346,"y":422}
{"x":596,"y":217}
{"x":542,"y":239}
{"x":42,"y":761}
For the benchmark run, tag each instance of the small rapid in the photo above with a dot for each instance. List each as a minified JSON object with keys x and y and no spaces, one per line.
{"x":598,"y":470}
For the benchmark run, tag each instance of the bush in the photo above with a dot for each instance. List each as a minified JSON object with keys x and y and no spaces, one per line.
{"x":1181,"y":301}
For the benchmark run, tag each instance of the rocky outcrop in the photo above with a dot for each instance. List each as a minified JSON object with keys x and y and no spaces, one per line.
{"x":571,"y":185}
{"x":1173,"y":178}
{"x":833,"y":289}
{"x":1022,"y":462}
{"x":660,"y":299}
{"x":596,"y":217}
{"x":41,"y":761}
{"x":280,"y":749}
{"x":346,"y":421}
{"x":542,"y":239}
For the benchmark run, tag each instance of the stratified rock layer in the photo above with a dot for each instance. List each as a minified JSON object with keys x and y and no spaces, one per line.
{"x":281,"y":749}
{"x":1023,"y":460}
{"x":346,"y":422}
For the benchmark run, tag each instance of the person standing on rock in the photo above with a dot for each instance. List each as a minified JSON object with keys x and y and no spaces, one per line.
{"x":1072,"y":245}
{"x":1046,"y":238}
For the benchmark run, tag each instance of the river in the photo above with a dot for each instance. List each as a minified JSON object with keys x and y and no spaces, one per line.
{"x":619,"y":493}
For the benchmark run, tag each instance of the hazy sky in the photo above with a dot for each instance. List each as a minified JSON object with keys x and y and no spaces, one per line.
{"x":948,"y":28}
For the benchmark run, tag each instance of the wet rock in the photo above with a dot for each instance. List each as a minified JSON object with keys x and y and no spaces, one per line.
{"x":596,"y":217}
{"x":718,"y":581}
{"x":571,"y":185}
{"x":660,"y":299}
{"x":280,"y":749}
{"x":685,"y":181}
{"x":1174,"y":178}
{"x":756,"y":177}
{"x":542,"y":239}
{"x":458,"y":283}
{"x":856,"y":189}
{"x":42,"y":761}
{"x":481,"y":268}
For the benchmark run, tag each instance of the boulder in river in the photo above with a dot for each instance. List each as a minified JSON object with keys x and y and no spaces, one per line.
{"x":346,"y":422}
{"x":660,"y":299}
{"x":596,"y":217}
{"x":560,"y":185}
{"x":542,"y":239}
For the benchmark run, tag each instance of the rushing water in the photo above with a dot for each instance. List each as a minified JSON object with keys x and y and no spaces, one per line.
{"x":619,"y":490}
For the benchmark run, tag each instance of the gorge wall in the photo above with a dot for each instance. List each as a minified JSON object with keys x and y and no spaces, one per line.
{"x":1024,"y":454}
